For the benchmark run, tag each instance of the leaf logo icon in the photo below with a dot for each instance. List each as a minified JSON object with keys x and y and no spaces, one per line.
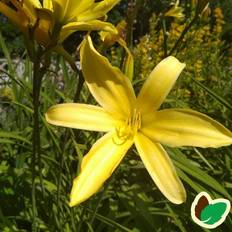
{"x":209,"y":213}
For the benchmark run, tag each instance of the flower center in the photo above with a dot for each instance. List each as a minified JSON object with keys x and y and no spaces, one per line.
{"x":129,"y":128}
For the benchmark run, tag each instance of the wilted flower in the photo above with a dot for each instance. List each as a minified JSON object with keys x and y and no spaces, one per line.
{"x":110,"y":38}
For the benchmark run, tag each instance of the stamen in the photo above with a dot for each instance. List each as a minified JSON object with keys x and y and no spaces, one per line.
{"x":128,"y":129}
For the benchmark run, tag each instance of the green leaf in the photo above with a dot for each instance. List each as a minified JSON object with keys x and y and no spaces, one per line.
{"x":13,"y":135}
{"x":187,"y":166}
{"x":212,"y":213}
{"x":214,"y":95}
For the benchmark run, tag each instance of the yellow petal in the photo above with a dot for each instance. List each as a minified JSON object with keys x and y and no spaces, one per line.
{"x":48,"y":5}
{"x":32,"y":4}
{"x":29,"y":8}
{"x":21,"y":23}
{"x":97,"y":10}
{"x":97,"y":166}
{"x":68,"y":10}
{"x":160,"y":168}
{"x":77,"y":7}
{"x":181,"y":127}
{"x":93,"y":25}
{"x":110,"y":87}
{"x":80,"y":116}
{"x":158,"y":84}
{"x":129,"y":60}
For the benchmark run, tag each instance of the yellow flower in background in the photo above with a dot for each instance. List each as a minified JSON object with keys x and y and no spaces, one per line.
{"x":128,"y":120}
{"x":54,"y":20}
{"x":175,"y":11}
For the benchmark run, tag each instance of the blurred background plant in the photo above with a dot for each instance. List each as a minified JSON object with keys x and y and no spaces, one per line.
{"x":199,"y":35}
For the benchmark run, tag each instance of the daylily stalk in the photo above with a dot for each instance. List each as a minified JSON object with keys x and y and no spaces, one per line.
{"x":128,"y":120}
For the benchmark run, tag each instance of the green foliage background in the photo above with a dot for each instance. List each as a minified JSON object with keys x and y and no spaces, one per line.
{"x":129,"y":201}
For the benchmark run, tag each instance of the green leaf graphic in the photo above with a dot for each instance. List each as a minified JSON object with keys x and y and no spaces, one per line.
{"x":212,"y":213}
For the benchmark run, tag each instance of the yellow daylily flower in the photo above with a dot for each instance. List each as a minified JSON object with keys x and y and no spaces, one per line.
{"x":23,"y":15}
{"x":128,"y":120}
{"x":54,"y":20}
{"x":66,"y":17}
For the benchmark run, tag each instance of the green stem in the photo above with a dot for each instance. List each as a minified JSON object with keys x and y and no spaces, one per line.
{"x":79,"y":87}
{"x":63,"y":138}
{"x":38,"y":73}
{"x":76,"y":98}
{"x":165,"y":38}
{"x":186,"y":29}
{"x":36,"y":140}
